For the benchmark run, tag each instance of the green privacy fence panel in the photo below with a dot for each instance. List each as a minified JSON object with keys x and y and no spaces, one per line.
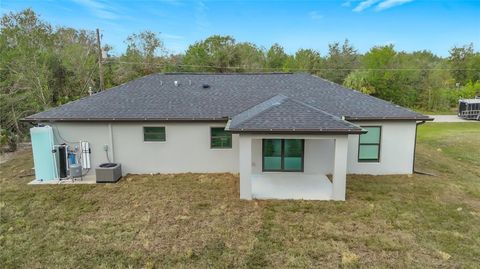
{"x":43,"y":157}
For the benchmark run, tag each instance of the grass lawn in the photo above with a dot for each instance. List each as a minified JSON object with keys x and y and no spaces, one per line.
{"x":195,"y":220}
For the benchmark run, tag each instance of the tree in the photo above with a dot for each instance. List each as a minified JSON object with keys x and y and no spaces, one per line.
{"x":276,"y":57}
{"x":359,"y":80}
{"x":308,"y":60}
{"x":77,"y":57}
{"x":25,"y":57}
{"x":465,"y":64}
{"x":388,"y":77}
{"x":145,"y":43}
{"x":141,"y":57}
{"x":214,"y":54}
{"x":251,"y":57}
{"x":422,"y":72}
{"x":40,"y":68}
{"x":341,"y":60}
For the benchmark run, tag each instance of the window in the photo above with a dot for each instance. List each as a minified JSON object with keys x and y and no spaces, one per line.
{"x":369,"y":144}
{"x":283,"y":155}
{"x":220,"y":139}
{"x":153,"y":134}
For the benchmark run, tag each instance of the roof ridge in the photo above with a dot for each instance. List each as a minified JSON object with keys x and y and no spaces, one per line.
{"x":236,"y":124}
{"x":278,"y":98}
{"x":324,"y":112}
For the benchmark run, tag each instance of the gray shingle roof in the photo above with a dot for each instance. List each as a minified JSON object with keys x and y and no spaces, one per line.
{"x":155,"y":97}
{"x":283,"y":114}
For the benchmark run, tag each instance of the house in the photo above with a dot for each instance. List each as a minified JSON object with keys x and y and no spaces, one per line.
{"x":289,"y":135}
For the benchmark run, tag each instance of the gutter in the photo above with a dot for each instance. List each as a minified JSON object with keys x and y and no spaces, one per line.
{"x":423,"y":119}
{"x":297,"y":131}
{"x":223,"y":119}
{"x":122,"y":119}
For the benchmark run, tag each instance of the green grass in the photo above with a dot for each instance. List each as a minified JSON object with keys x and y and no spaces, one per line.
{"x":456,"y":140}
{"x":195,"y":220}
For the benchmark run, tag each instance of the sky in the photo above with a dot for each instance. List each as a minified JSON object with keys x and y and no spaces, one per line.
{"x":435,"y":25}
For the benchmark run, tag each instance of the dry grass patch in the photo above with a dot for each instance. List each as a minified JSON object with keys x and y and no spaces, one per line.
{"x":179,"y":218}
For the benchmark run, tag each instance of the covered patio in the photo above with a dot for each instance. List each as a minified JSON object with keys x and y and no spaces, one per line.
{"x":322,"y":155}
{"x":286,"y":149}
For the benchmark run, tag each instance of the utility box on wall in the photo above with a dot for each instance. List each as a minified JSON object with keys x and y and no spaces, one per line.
{"x":43,"y":153}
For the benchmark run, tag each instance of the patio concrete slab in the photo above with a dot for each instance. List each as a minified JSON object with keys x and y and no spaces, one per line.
{"x":86,"y":180}
{"x":291,"y":186}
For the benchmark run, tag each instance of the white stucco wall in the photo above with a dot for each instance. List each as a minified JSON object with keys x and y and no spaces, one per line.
{"x":396,"y":149}
{"x":187,"y":149}
{"x":97,"y":134}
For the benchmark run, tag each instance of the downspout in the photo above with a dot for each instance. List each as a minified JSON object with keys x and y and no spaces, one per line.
{"x":111,"y":141}
{"x":415,"y":145}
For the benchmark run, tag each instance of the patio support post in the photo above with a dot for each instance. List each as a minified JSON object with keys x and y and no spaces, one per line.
{"x":245,"y":158}
{"x":340,"y":169}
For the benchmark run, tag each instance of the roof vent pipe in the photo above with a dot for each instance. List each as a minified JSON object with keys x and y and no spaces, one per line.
{"x":175,"y":83}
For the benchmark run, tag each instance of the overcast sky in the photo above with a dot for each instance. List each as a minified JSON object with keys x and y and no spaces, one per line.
{"x":435,"y":25}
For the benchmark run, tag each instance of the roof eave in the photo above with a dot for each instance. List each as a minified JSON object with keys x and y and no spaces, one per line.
{"x":222,"y":119}
{"x":425,"y":118}
{"x":298,"y":131}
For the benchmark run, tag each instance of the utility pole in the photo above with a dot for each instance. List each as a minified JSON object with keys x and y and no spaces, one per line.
{"x":100,"y":67}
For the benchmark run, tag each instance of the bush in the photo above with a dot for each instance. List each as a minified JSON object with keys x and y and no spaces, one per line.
{"x":468,"y":91}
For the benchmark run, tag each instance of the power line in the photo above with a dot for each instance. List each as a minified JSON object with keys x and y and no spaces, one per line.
{"x":89,"y":79}
{"x":293,"y":69}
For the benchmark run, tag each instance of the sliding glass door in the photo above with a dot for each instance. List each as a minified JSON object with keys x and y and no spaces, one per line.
{"x":283,"y":155}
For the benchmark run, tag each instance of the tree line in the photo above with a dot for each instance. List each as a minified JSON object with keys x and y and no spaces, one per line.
{"x":42,"y":66}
